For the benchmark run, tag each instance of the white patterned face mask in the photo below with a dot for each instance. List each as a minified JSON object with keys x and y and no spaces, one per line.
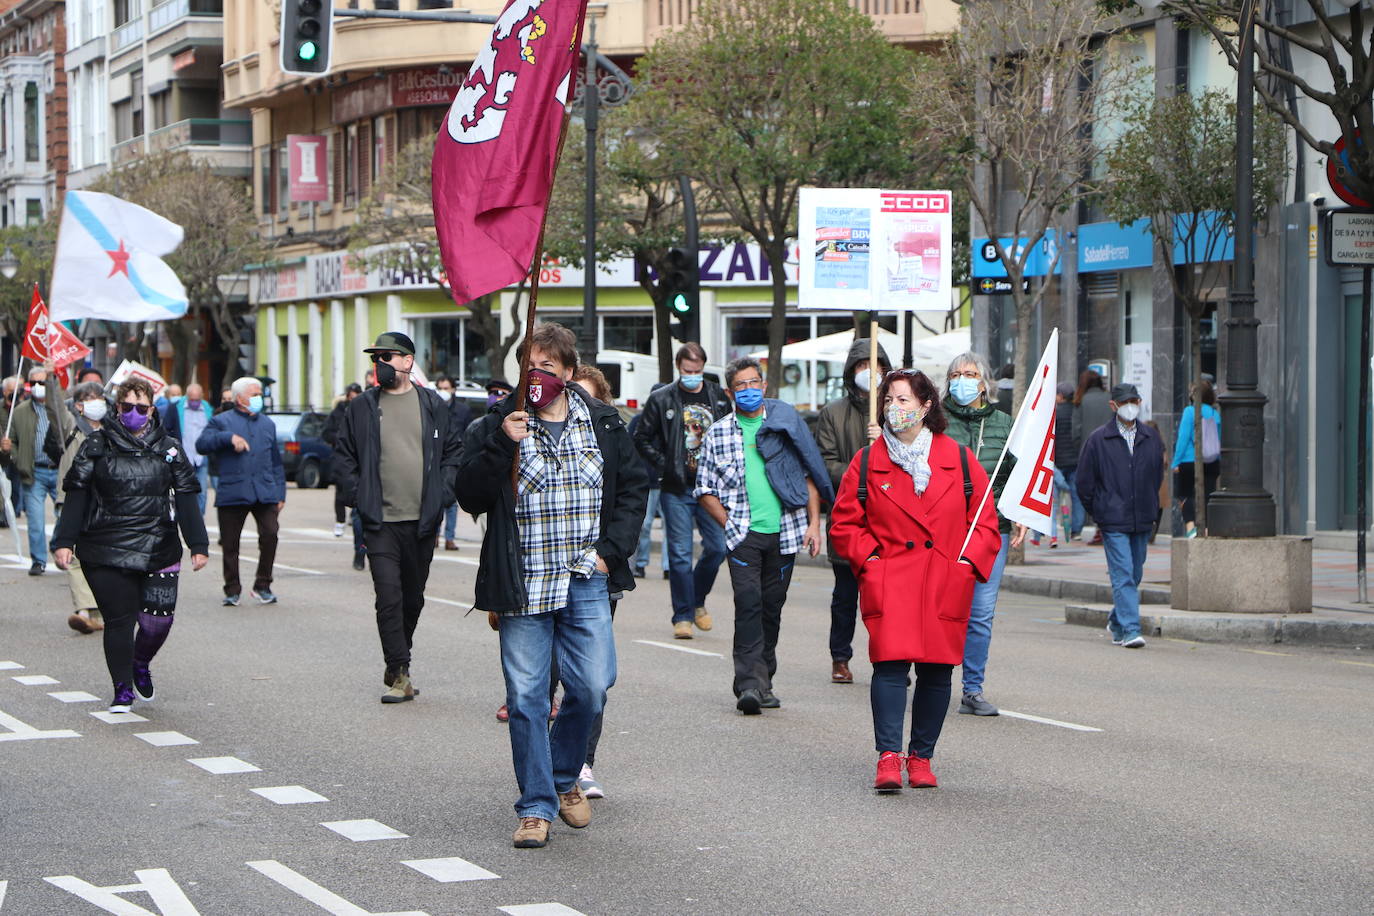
{"x":901,"y":418}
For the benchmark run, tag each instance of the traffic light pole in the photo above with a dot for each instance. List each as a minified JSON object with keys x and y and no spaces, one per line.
{"x":591,"y":104}
{"x":691,"y":323}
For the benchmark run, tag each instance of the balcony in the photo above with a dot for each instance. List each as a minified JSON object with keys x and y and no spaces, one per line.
{"x":166,"y":14}
{"x":201,"y":132}
{"x":127,"y":34}
{"x":126,"y":151}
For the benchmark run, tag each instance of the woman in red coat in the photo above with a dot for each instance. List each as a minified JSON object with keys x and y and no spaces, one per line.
{"x":914,"y":587}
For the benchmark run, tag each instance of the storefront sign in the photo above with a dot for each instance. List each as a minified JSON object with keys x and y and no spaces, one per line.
{"x":1350,"y":238}
{"x":308,"y":168}
{"x":425,"y":87}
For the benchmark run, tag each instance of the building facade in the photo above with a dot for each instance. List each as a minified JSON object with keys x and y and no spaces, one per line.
{"x":33,"y":111}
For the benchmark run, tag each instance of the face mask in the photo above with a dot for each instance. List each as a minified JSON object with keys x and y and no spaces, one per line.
{"x":863,"y":380}
{"x":900,"y":418}
{"x":692,"y":382}
{"x":1128,"y":412}
{"x":133,"y":420}
{"x":445,"y":394}
{"x":39,"y":392}
{"x":545,"y":387}
{"x":255,"y":403}
{"x":387,"y":376}
{"x":964,"y":390}
{"x":749,"y":400}
{"x":495,"y":398}
{"x":194,"y":405}
{"x":94,"y":410}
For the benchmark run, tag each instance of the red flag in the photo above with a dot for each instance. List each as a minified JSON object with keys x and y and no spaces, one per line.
{"x":36,"y":334}
{"x":64,"y":347}
{"x":497,"y":150}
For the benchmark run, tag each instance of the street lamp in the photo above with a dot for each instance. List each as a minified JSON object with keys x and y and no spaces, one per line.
{"x":591,"y":104}
{"x":9,"y":264}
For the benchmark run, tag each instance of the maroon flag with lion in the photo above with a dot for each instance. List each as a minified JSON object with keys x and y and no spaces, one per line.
{"x":497,"y":150}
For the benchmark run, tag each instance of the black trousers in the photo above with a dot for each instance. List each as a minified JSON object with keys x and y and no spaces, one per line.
{"x":399,"y":559}
{"x":844,"y":611}
{"x":231,"y":519}
{"x":760,"y":575}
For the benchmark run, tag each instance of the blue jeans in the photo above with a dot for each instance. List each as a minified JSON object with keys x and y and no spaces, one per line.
{"x":929,"y":703}
{"x":1067,"y":480}
{"x":1125,"y":564}
{"x":689,"y":587}
{"x":44,"y":486}
{"x":980,"y":622}
{"x":548,"y":760}
{"x":203,"y":475}
{"x":451,"y":522}
{"x":641,"y":558}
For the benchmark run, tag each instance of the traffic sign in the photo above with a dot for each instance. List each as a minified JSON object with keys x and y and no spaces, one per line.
{"x":1338,"y":168}
{"x":1350,"y":238}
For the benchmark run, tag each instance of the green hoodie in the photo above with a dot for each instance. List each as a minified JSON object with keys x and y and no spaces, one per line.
{"x":989,"y":426}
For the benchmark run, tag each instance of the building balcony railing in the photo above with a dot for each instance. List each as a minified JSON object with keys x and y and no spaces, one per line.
{"x":201,"y":132}
{"x":128,"y":150}
{"x":165,"y":14}
{"x":127,"y":34}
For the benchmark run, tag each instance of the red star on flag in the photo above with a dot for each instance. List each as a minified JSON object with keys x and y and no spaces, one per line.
{"x":121,"y":261}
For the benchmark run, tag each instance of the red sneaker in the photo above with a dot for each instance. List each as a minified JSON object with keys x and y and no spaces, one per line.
{"x":503,"y":714}
{"x":889,"y":777}
{"x":918,"y":774}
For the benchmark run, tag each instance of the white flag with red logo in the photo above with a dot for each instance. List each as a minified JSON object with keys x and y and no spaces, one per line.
{"x":1028,"y":497}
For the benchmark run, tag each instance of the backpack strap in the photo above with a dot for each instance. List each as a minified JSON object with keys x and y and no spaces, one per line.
{"x":968,"y":481}
{"x":863,"y":478}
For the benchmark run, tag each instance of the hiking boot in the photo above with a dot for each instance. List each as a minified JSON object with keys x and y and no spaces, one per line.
{"x":973,"y":704}
{"x":889,"y":778}
{"x":703,"y":619}
{"x":230,"y":601}
{"x":750,"y":702}
{"x":918,"y":774}
{"x":143,"y":683}
{"x":769,"y":700}
{"x":401,"y":688}
{"x":682,"y":629}
{"x":389,"y":678}
{"x":1133,"y":642}
{"x":587,"y":782}
{"x":840,"y":673}
{"x":123,"y":699}
{"x":573,"y":807}
{"x":533,"y":833}
{"x":80,"y":624}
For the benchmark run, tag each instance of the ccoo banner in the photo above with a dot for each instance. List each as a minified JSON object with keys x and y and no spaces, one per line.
{"x":875,"y":250}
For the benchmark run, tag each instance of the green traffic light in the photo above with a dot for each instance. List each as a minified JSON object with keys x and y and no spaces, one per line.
{"x":307,"y":50}
{"x":679,"y":304}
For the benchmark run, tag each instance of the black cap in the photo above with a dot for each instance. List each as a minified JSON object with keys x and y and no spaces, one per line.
{"x":354,"y":388}
{"x":392,"y":340}
{"x":1065,"y":389}
{"x":1124,"y":391}
{"x":502,"y":384}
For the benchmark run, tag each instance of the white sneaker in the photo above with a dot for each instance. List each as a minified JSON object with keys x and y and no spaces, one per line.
{"x":338,"y":529}
{"x":1116,"y":640}
{"x":587,"y":782}
{"x":1135,"y":642}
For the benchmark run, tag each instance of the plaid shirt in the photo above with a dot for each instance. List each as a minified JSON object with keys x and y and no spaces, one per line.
{"x":720,"y":473}
{"x":558,"y":508}
{"x":1127,"y":433}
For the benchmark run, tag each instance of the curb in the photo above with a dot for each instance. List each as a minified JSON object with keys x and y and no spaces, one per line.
{"x":1076,"y":589}
{"x":1294,"y":631}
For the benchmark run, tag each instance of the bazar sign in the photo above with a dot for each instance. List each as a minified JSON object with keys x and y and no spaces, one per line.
{"x":418,"y":88}
{"x":336,"y":273}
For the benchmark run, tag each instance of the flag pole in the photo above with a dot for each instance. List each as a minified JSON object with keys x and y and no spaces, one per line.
{"x":14,"y":398}
{"x":872,"y":368}
{"x":1011,"y":436}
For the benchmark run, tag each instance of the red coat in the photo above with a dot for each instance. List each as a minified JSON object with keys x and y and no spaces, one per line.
{"x":914,"y":593}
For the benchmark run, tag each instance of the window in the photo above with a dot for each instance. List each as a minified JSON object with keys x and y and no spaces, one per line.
{"x":350,"y":170}
{"x":4,"y":124}
{"x":265,"y":180}
{"x":634,"y":333}
{"x":283,"y":178}
{"x":125,"y":10}
{"x":136,"y":103}
{"x":162,"y":109}
{"x":31,"y":131}
{"x":123,"y":115}
{"x":33,"y":211}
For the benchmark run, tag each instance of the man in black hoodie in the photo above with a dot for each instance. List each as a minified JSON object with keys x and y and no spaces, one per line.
{"x":841,"y":431}
{"x":395,"y":461}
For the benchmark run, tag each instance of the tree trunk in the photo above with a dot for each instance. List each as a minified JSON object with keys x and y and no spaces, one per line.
{"x":777,"y":326}
{"x":1199,"y":482}
{"x":1025,"y":312}
{"x":663,"y":332}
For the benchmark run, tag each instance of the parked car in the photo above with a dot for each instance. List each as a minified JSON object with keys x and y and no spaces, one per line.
{"x":305,"y":455}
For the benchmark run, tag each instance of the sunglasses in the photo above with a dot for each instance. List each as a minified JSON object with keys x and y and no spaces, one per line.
{"x":385,"y":356}
{"x":130,"y":408}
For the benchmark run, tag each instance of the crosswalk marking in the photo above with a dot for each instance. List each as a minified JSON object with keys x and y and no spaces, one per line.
{"x":15,"y":730}
{"x":290,"y":795}
{"x":117,"y":718}
{"x":668,"y":645}
{"x":221,"y":765}
{"x":10,"y":666}
{"x":450,"y":869}
{"x":74,"y":696}
{"x":323,"y":898}
{"x":1043,"y":721}
{"x":35,"y":680}
{"x":364,"y":830}
{"x":165,"y":739}
{"x":541,"y":909}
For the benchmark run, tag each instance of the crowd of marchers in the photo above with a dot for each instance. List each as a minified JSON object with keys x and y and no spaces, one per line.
{"x":566,"y":487}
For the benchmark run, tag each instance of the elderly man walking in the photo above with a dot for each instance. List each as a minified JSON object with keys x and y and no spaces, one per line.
{"x":34,"y":447}
{"x":251,"y":482}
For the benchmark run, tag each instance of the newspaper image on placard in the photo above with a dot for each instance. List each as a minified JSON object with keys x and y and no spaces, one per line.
{"x":842,"y":247}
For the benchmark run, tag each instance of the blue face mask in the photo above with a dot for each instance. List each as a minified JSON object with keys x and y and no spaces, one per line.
{"x":692,"y":382}
{"x":749,"y":400}
{"x":255,"y":403}
{"x":964,"y":390}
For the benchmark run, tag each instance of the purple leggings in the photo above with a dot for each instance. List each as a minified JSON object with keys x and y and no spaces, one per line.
{"x":138,"y":609}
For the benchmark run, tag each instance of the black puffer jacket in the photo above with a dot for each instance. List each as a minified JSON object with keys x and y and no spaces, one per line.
{"x":120,"y":492}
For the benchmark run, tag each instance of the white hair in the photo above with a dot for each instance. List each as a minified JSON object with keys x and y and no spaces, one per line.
{"x":977,"y":361}
{"x":241,"y":385}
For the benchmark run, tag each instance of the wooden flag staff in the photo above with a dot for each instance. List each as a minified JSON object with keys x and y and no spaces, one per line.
{"x":873,"y":378}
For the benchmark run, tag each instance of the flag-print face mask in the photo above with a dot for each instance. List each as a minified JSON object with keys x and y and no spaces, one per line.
{"x":544,"y":388}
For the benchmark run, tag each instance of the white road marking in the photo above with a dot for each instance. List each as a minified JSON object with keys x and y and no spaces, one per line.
{"x":323,"y":898}
{"x":74,"y":696}
{"x":33,"y":680}
{"x":668,"y":645}
{"x":15,"y":730}
{"x":541,"y":909}
{"x":222,"y":765}
{"x":1361,"y":664}
{"x":4,"y":886}
{"x":364,"y":830}
{"x":299,"y":569}
{"x":464,"y":606}
{"x":450,"y":869}
{"x":168,"y":897}
{"x":1043,"y":721}
{"x":290,"y":795}
{"x":165,"y":739}
{"x":117,"y":718}
{"x":464,"y":560}
{"x":10,"y":666}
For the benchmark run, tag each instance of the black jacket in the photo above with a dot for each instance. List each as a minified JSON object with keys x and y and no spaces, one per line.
{"x":484,"y":485}
{"x":357,"y":458}
{"x":117,"y":510}
{"x":659,"y":436}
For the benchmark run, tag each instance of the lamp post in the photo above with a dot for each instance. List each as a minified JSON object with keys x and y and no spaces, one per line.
{"x":591,"y":105}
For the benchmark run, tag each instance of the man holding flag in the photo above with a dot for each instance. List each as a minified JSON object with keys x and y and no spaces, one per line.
{"x":33,"y":444}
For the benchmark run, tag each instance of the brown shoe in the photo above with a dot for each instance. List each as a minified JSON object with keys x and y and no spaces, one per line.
{"x":682,"y":629}
{"x":533,"y":833}
{"x":80,"y":624}
{"x":450,"y":544}
{"x":703,"y":619}
{"x":574,"y":808}
{"x":401,"y":688}
{"x":840,"y":673}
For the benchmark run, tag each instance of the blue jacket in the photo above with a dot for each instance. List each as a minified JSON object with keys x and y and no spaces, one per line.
{"x":245,"y":478}
{"x":1120,"y":489}
{"x":1183,"y":448}
{"x":174,"y":419}
{"x":790,"y":455}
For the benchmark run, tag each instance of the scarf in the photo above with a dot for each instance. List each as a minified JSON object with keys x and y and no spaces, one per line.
{"x":913,"y":458}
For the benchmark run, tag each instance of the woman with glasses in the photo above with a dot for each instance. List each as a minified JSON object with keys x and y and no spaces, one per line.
{"x":976,"y":423}
{"x":129,"y":488}
{"x":906,"y":508}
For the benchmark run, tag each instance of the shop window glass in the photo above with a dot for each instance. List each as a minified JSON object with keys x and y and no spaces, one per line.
{"x":634,"y":333}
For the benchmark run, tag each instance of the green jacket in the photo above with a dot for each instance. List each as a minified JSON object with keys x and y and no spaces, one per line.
{"x":985,"y":430}
{"x":25,"y":428}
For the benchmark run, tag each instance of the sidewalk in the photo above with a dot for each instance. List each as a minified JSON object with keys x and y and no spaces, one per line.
{"x":1078,"y":573}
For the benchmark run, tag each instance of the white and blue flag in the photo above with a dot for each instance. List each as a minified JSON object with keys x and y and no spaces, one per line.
{"x":109,"y":262}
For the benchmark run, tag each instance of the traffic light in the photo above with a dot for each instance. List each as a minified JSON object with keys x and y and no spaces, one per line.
{"x":246,"y":335}
{"x":307,"y":27}
{"x":680,"y":283}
